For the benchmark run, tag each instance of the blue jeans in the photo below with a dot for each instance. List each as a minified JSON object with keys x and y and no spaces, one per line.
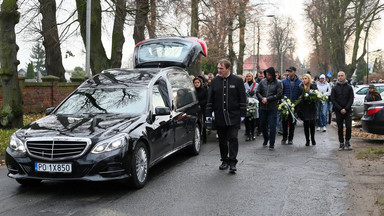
{"x":322,"y":112}
{"x":268,"y":120}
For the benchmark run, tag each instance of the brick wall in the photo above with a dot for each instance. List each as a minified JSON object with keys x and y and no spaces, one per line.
{"x":37,"y":97}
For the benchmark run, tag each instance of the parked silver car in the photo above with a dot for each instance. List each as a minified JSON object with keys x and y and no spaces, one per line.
{"x":360,"y":93}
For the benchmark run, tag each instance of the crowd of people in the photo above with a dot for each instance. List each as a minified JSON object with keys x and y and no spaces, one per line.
{"x":255,"y":101}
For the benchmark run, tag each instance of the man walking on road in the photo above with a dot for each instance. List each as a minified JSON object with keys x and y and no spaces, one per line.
{"x":227,"y":100}
{"x":269,"y":92}
{"x":291,"y":91}
{"x":342,"y":99}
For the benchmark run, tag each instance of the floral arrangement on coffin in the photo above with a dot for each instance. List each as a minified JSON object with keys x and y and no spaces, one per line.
{"x":315,"y":96}
{"x":252,"y":106}
{"x":287,"y":108}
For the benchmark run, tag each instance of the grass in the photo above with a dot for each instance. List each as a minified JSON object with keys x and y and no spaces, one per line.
{"x":5,"y":134}
{"x":371,"y":153}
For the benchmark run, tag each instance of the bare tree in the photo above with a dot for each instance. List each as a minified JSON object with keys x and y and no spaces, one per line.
{"x":152,"y":21}
{"x":11,"y":109}
{"x":142,"y":10}
{"x":118,"y":33}
{"x":51,"y":42}
{"x":242,"y":14}
{"x":281,"y":39}
{"x":99,"y":59}
{"x":340,"y":23}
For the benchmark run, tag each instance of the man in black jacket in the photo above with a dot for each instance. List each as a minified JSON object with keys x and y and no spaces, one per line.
{"x":226,"y":98}
{"x":269,"y":92}
{"x":342,"y":100}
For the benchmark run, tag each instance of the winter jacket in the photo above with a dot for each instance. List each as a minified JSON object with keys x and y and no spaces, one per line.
{"x":202,"y":96}
{"x":306,"y":110}
{"x":372,"y":96}
{"x":272,"y":90}
{"x":291,"y":91}
{"x":248,"y":88}
{"x":248,"y":93}
{"x":342,"y":96}
{"x":226,"y":98}
{"x":324,"y":88}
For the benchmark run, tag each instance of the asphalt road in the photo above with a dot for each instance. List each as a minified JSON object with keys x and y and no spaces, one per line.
{"x":292,"y":180}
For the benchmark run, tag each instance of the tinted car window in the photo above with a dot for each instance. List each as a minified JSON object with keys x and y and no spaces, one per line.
{"x":169,"y":51}
{"x":182,"y":89}
{"x":118,"y":101}
{"x":159,"y":98}
{"x":362,"y":91}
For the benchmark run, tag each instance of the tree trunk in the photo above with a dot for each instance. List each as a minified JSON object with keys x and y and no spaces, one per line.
{"x":151,"y":26}
{"x":11,"y":112}
{"x":142,"y":9}
{"x":195,"y":18}
{"x":230,"y":19}
{"x":118,"y":33}
{"x":242,"y":23}
{"x":53,"y":58}
{"x":99,"y":60}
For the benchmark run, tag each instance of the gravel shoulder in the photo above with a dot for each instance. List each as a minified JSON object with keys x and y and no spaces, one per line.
{"x":365,"y":177}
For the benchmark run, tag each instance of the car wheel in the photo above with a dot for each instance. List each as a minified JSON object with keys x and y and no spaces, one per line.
{"x":139,"y":166}
{"x":195,"y":148}
{"x":28,"y":182}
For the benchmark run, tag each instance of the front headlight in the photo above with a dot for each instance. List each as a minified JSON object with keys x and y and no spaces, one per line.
{"x":110,"y":145}
{"x":16,"y":144}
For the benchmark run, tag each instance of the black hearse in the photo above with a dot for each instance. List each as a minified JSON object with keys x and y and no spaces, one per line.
{"x":117,"y":124}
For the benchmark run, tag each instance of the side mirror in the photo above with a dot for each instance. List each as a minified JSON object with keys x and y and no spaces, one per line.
{"x":49,"y":110}
{"x":162,"y":111}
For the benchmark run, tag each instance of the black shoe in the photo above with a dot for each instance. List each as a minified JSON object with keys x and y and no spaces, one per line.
{"x":223,"y":166}
{"x":348,"y":145}
{"x":341,"y":147}
{"x":248,"y":138}
{"x":232,"y":168}
{"x":253,"y":137}
{"x":265,"y":143}
{"x":290,"y":142}
{"x":283,"y":141}
{"x":307,"y":143}
{"x":313,"y":142}
{"x":271,"y":148}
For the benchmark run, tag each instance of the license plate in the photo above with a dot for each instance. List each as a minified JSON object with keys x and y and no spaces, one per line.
{"x":55,"y":168}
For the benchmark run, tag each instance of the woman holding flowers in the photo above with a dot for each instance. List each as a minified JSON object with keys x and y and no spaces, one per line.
{"x":307,"y":107}
{"x":251,"y":120}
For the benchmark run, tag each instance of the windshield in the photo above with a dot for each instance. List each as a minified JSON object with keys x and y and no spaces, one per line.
{"x":95,"y":101}
{"x":165,"y":51}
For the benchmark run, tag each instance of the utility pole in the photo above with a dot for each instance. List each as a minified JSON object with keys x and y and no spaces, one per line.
{"x":88,"y":42}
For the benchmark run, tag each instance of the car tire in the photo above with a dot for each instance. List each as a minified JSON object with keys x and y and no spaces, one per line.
{"x":196,"y":143}
{"x":139,"y":166}
{"x":29,"y":182}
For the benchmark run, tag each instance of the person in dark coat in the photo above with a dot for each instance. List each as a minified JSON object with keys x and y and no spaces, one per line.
{"x":307,"y":108}
{"x":202,"y":96}
{"x":372,"y":94}
{"x":252,"y":119}
{"x":342,"y":98}
{"x":291,"y":91}
{"x":226,"y":98}
{"x":269,"y":92}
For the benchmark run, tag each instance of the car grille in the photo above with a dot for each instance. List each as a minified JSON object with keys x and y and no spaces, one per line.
{"x":57,"y":148}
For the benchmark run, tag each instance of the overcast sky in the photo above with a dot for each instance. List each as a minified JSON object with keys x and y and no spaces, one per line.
{"x":292,"y":8}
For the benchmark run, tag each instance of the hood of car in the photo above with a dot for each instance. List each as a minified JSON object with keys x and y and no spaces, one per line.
{"x":93,"y":127}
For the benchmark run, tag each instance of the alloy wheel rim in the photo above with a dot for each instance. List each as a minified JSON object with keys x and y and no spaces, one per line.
{"x":141,"y":164}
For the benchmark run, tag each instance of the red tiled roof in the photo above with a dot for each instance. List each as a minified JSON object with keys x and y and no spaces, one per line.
{"x":265,"y":61}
